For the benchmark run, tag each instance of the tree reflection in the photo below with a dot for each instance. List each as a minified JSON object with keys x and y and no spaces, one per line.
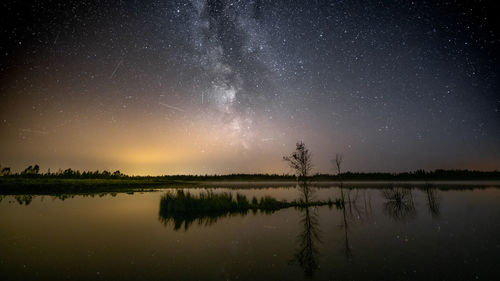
{"x":399,"y":203}
{"x":433,"y":201}
{"x":347,"y":249}
{"x":24,"y":199}
{"x":357,"y":208}
{"x":308,"y":239}
{"x":183,"y":208}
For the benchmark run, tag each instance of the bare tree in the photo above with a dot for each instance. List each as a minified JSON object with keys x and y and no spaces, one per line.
{"x":300,"y":160}
{"x":337,"y":162}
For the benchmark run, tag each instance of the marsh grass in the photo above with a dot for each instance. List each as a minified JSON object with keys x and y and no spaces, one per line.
{"x":183,"y":208}
{"x":49,"y":186}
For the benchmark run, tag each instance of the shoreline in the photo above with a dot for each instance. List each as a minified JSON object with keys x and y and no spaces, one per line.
{"x":55,"y":186}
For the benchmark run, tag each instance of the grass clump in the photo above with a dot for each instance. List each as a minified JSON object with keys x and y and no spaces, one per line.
{"x":184,"y":208}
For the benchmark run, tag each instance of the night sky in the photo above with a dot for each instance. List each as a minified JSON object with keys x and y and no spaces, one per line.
{"x":195,"y":87}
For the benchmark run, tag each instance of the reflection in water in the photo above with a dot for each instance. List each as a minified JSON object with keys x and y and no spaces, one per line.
{"x":433,"y":201}
{"x":399,"y":203}
{"x":21,"y":199}
{"x":307,"y":252}
{"x":347,"y":250}
{"x":463,"y":247}
{"x":357,"y":209}
{"x":186,"y":219}
{"x":306,"y":191}
{"x":358,"y":203}
{"x":24,"y":199}
{"x":183,"y":208}
{"x":308,"y":239}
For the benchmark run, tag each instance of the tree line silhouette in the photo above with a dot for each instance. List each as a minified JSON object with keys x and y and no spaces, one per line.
{"x":34,"y":171}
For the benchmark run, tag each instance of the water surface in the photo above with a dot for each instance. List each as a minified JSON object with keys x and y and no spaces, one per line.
{"x":395,"y":233}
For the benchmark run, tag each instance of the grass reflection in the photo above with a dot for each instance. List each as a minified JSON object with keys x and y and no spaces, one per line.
{"x":399,"y":203}
{"x":183,"y":208}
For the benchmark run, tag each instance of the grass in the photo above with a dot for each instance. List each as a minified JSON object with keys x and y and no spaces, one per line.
{"x":21,"y":185}
{"x":46,"y":185}
{"x":183,"y":208}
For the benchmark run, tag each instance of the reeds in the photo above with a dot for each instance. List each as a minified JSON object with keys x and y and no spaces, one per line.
{"x":183,"y":207}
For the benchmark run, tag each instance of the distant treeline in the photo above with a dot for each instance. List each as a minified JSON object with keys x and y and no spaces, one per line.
{"x":420,"y":175}
{"x":416,"y":175}
{"x":34,"y":172}
{"x":350,"y":176}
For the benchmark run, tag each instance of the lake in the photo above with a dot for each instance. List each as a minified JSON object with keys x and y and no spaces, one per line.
{"x":383,"y":232}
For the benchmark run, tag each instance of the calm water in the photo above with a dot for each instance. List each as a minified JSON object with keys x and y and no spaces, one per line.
{"x":426,"y":234}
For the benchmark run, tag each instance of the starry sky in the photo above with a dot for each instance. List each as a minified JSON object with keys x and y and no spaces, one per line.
{"x":196,"y":87}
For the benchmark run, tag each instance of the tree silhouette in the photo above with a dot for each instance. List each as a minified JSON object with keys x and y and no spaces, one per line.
{"x":300,"y":160}
{"x":31,"y":170}
{"x":6,"y":171}
{"x":337,"y":162}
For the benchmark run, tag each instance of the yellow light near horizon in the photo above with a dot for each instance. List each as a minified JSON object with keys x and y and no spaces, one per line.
{"x":143,"y":156}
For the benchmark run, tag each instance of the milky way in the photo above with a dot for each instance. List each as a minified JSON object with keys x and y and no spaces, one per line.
{"x":162,"y":87}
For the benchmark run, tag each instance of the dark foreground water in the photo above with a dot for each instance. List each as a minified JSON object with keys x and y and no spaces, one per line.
{"x":381,"y":234}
